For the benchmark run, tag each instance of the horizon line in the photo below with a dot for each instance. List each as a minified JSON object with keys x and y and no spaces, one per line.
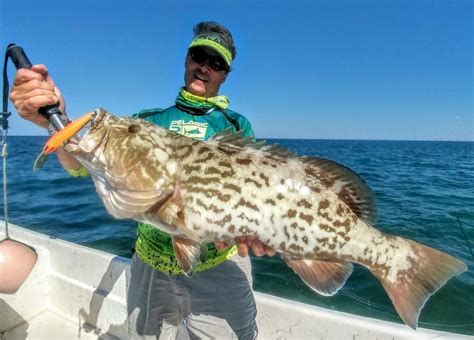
{"x":334,"y":139}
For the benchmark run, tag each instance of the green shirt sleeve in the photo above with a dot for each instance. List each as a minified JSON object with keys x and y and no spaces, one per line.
{"x":246,"y":128}
{"x":80,"y":172}
{"x":244,"y":123}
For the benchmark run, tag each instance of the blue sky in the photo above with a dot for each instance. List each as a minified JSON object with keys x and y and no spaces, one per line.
{"x":304,"y":69}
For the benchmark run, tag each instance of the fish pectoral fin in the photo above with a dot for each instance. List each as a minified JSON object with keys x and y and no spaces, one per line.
{"x":171,"y":211}
{"x":324,"y":277}
{"x":188,"y":254}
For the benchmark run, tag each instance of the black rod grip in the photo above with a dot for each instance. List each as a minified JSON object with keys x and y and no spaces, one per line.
{"x":18,"y":56}
{"x":50,"y":110}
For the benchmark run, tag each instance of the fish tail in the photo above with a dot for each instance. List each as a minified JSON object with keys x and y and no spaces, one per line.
{"x":411,"y":287}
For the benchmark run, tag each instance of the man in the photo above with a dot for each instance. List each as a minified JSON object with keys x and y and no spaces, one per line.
{"x":217,"y":302}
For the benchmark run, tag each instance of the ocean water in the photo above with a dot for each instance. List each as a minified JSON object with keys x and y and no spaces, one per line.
{"x":424,"y":191}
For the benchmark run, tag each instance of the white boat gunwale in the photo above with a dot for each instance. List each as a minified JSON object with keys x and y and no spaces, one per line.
{"x":64,"y":294}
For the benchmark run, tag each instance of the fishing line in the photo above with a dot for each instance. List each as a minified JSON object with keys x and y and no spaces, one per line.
{"x":466,"y":237}
{"x":446,"y":324}
{"x":4,"y":122}
{"x":17,"y":55}
{"x":5,"y":203}
{"x":368,"y":302}
{"x":390,"y":311}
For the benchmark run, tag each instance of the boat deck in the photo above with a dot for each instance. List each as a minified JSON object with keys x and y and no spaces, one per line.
{"x":50,"y":325}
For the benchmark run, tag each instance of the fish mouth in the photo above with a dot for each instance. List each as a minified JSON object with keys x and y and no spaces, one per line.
{"x":80,"y":145}
{"x":97,"y":117}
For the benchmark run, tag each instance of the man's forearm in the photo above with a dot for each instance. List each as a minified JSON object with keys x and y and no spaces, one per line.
{"x":67,"y":161}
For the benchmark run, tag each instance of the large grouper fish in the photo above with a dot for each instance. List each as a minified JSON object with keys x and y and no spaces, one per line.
{"x":317,"y":214}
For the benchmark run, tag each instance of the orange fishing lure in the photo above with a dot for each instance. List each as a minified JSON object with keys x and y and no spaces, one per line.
{"x":65,"y":134}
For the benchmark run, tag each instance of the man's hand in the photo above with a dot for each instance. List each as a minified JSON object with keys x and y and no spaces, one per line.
{"x":244,"y":243}
{"x":33,"y":88}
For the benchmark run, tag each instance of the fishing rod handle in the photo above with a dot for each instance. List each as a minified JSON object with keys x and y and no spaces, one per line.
{"x":51,"y":112}
{"x":18,"y":56}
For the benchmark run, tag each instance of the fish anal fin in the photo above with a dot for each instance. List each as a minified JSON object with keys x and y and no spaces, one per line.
{"x":410,"y":288}
{"x":188,"y":254}
{"x":324,"y":277}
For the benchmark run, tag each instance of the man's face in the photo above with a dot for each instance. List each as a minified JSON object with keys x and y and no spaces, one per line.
{"x":200,"y":79}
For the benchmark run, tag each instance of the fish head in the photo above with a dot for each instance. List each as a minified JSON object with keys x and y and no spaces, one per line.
{"x":127,"y":160}
{"x":128,"y":151}
{"x":88,"y":148}
{"x":110,"y":141}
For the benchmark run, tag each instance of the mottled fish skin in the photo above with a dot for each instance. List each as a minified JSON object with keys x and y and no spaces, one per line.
{"x":315,"y":213}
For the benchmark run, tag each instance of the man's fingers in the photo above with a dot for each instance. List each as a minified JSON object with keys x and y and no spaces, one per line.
{"x":62,"y":104}
{"x":257,"y":247}
{"x":29,"y":109}
{"x":35,"y":84}
{"x":269,"y":251}
{"x":42,"y":69}
{"x":242,"y":246}
{"x":41,"y":92}
{"x":32,"y":93}
{"x":57,"y":92}
{"x":24,"y":75}
{"x":220,"y":245}
{"x":25,"y":91}
{"x":33,"y":104}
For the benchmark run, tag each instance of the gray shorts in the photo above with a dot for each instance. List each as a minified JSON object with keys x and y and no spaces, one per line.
{"x":215,"y":304}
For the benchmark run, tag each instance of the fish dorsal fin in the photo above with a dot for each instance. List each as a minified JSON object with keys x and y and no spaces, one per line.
{"x":227,"y":136}
{"x":223,"y":134}
{"x":237,"y":139}
{"x":341,"y":180}
{"x":346,"y":184}
{"x":274,"y":151}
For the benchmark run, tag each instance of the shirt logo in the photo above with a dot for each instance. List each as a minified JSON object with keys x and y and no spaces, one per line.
{"x":196,"y":130}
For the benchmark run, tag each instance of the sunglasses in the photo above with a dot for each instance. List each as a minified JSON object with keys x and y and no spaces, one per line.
{"x":216,"y":62}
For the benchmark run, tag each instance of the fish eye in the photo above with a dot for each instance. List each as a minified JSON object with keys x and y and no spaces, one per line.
{"x":134,"y":128}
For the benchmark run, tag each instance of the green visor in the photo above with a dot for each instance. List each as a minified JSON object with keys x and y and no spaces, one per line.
{"x":208,"y":42}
